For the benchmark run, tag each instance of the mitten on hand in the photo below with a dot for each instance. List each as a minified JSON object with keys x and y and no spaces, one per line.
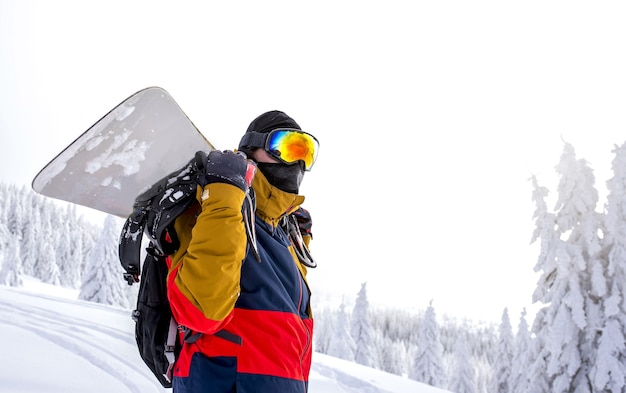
{"x":304,"y":221}
{"x":226,"y":167}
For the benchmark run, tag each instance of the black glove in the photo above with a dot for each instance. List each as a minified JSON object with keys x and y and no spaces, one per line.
{"x":304,"y":221}
{"x":226,"y":167}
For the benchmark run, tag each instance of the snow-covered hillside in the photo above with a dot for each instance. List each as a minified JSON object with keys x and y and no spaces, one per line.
{"x":53,"y":343}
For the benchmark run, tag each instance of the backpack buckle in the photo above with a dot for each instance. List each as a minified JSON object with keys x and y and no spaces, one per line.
{"x":131,"y":276}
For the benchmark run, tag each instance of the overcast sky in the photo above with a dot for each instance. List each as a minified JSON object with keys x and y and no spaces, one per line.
{"x":431,"y":116}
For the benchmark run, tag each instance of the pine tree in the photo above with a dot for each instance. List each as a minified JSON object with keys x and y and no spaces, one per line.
{"x":5,"y":238}
{"x":63,"y":253}
{"x":89,"y":235}
{"x":428,"y":365}
{"x":11,"y":270}
{"x":15,"y":212}
{"x":519,"y":380}
{"x":30,"y":247}
{"x":463,"y":376}
{"x":362,"y":331}
{"x":545,"y":232}
{"x":392,"y":355}
{"x":77,"y":257}
{"x":609,"y":370}
{"x":566,"y":286}
{"x":341,"y":344}
{"x":500,"y":382}
{"x":45,"y":250}
{"x":324,"y":322}
{"x":101,"y":281}
{"x":29,"y":231}
{"x":46,"y":268}
{"x":537,"y":377}
{"x":4,"y":196}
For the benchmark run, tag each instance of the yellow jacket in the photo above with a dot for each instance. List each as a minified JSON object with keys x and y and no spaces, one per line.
{"x":256,"y":314}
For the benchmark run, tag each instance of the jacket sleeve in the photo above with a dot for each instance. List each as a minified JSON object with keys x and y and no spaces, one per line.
{"x":203,"y":281}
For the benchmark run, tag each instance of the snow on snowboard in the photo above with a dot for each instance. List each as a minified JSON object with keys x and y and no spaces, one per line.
{"x":141,"y":140}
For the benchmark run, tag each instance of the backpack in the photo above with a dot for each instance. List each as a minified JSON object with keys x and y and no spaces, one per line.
{"x":156,"y":331}
{"x":154,"y":213}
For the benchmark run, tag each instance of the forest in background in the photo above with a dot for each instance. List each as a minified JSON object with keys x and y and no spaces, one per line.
{"x":49,"y":240}
{"x":577,"y":342}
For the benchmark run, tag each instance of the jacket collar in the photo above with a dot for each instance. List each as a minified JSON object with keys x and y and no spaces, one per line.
{"x":271,"y":203}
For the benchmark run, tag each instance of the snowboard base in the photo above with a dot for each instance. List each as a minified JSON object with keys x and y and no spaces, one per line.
{"x":141,"y":140}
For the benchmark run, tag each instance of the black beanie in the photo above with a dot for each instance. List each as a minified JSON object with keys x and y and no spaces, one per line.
{"x":272,"y":120}
{"x":265,"y":123}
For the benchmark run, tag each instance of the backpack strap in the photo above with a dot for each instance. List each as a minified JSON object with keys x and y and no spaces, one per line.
{"x":130,"y":244}
{"x":154,"y":213}
{"x":170,"y":348}
{"x":248,"y":211}
{"x":290,"y":226}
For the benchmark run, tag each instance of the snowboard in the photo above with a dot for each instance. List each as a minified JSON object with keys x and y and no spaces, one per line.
{"x":144,"y":138}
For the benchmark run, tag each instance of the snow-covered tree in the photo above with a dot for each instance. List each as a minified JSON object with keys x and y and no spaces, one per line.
{"x":538,"y":381}
{"x":77,"y":257}
{"x":462,"y":379}
{"x":101,"y":281}
{"x":500,"y":382}
{"x":5,"y":238}
{"x":63,"y":251}
{"x":48,"y":270}
{"x":11,"y":269}
{"x":15,"y":212}
{"x":324,"y":322}
{"x":362,"y":331}
{"x":571,"y":281}
{"x":391,"y":355}
{"x":428,"y":364}
{"x":545,"y":232}
{"x":89,"y":237}
{"x":52,"y":239}
{"x":30,"y":244}
{"x":341,"y":344}
{"x":609,"y":366}
{"x":4,"y":196}
{"x":520,"y":365}
{"x":69,"y":247}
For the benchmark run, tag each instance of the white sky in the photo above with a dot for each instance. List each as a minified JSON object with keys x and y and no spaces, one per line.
{"x":431,"y":117}
{"x":88,"y":347}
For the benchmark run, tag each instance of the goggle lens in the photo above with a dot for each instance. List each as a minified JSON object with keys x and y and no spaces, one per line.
{"x":291,"y":146}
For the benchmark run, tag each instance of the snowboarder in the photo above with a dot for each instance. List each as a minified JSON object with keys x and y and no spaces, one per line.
{"x":245,"y":307}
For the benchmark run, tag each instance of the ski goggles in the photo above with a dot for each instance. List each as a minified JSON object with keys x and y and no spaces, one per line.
{"x":287,"y":145}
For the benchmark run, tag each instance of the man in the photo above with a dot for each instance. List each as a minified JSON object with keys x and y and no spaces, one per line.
{"x":241,"y":295}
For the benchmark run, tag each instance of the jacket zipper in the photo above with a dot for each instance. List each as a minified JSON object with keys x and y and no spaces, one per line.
{"x":306,"y":348}
{"x":306,"y":328}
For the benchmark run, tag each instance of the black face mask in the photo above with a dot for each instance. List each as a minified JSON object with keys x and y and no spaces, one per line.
{"x":284,"y":177}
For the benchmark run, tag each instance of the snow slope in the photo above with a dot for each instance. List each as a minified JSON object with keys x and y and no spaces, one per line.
{"x":55,"y":344}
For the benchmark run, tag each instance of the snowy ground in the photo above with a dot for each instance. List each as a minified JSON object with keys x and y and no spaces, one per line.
{"x":55,"y":344}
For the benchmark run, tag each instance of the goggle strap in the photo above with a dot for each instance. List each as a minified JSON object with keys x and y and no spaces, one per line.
{"x":253,"y":139}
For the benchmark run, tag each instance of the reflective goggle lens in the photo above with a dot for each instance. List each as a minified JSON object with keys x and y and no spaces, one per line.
{"x":290,"y":146}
